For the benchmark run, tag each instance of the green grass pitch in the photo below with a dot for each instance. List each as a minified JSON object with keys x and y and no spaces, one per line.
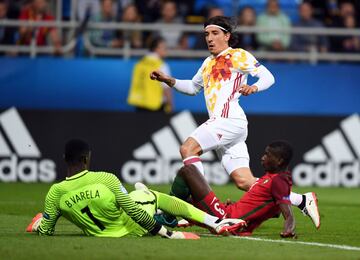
{"x":339,"y":209}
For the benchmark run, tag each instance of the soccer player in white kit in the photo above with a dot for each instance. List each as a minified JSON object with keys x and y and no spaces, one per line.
{"x":223,"y":77}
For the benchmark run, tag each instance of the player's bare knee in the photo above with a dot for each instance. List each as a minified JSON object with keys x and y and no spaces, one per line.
{"x":243,"y":181}
{"x":243,"y":178}
{"x":185,"y":150}
{"x":190,"y":148}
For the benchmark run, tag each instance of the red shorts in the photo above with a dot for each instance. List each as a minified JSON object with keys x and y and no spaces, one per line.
{"x":253,"y":214}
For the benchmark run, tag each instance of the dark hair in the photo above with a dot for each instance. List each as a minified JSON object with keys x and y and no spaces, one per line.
{"x":283,"y":150}
{"x":228,"y":23}
{"x":154,"y":43}
{"x":75,"y":151}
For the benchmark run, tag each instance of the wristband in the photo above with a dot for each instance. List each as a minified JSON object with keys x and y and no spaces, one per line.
{"x":156,"y":229}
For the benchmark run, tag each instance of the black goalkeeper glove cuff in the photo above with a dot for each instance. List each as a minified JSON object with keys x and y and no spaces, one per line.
{"x":155,"y":229}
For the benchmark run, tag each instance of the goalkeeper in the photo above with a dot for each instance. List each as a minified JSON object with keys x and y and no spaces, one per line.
{"x":99,"y":205}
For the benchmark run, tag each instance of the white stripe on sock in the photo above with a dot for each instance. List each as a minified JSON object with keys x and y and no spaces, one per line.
{"x":295,"y":198}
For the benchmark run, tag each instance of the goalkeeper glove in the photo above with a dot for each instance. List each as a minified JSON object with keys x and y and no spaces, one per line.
{"x":35,"y":223}
{"x":176,"y":234}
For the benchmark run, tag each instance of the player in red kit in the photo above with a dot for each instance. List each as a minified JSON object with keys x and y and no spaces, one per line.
{"x":267,"y":197}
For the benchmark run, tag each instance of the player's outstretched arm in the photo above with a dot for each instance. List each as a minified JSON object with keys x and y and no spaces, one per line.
{"x":162,"y":77}
{"x":187,"y":87}
{"x":289,"y":224}
{"x":51,"y":212}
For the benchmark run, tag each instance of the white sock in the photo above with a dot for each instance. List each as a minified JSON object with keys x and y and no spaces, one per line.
{"x":196,"y":161}
{"x":200,"y":167}
{"x":210,"y":220}
{"x":296,"y":198}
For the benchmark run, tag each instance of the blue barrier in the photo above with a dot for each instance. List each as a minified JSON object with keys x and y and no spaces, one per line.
{"x":102,"y":84}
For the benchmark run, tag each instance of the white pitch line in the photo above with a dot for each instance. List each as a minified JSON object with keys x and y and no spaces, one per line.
{"x":343,"y":247}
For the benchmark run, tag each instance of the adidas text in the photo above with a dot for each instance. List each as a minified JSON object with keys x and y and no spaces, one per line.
{"x":26,"y":170}
{"x":328,"y":174}
{"x":161,"y":171}
{"x":20,"y":158}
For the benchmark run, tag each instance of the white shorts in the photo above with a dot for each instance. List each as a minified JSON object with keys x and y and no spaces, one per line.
{"x":227,"y":136}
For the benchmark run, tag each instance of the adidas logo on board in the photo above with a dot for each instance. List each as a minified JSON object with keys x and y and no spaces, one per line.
{"x":158,"y":160}
{"x":25,"y":163}
{"x":335,"y":161}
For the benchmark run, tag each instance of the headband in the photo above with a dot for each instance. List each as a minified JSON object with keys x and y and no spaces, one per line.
{"x":217,"y":26}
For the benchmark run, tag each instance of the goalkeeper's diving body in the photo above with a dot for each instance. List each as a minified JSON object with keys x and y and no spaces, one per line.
{"x":99,"y":205}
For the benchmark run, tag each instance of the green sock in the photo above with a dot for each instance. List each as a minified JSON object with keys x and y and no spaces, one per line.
{"x":180,"y":208}
{"x":179,"y":188}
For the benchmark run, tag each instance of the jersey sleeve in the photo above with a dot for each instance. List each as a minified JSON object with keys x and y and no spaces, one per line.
{"x":197,"y":80}
{"x":193,"y":86}
{"x":246,"y":62}
{"x":51,"y":212}
{"x":124,"y":201}
{"x":280,"y":190}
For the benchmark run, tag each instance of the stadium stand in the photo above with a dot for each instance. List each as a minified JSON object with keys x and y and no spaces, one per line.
{"x":134,"y":23}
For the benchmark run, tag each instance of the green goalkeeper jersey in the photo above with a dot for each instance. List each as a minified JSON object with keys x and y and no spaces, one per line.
{"x":98,"y":204}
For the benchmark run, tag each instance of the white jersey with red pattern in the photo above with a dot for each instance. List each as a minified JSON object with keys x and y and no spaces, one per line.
{"x":221,"y":76}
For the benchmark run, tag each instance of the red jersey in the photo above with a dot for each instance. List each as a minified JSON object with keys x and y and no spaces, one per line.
{"x":262,"y":200}
{"x":29,"y":15}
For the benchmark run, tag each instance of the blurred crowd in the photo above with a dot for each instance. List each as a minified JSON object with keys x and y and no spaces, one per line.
{"x":264,"y":13}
